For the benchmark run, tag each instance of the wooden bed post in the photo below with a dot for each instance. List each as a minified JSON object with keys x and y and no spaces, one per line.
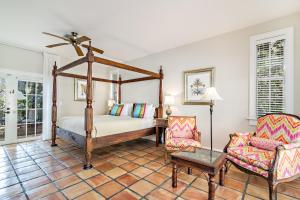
{"x":119,"y":93}
{"x":54,"y":107}
{"x":89,"y":111}
{"x":160,"y":107}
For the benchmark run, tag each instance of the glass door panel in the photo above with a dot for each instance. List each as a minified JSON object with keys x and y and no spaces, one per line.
{"x":30,"y":109}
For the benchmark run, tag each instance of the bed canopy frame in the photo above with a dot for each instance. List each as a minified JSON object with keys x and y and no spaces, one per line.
{"x":92,"y":143}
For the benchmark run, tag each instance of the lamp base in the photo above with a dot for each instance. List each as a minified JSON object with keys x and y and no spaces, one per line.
{"x":168,"y":111}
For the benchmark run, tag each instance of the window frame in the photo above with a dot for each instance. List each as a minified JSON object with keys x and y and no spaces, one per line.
{"x":288,"y":35}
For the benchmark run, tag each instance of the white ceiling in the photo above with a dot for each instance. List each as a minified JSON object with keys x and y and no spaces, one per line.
{"x":128,"y":29}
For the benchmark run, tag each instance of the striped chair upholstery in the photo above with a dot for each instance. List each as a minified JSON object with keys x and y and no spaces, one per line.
{"x":278,"y":165}
{"x":182,"y":133}
{"x":280,"y":127}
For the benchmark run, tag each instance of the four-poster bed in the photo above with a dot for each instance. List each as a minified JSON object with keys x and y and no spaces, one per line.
{"x":88,"y":141}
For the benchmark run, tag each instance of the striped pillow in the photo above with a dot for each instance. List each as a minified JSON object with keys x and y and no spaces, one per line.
{"x":116,"y":109}
{"x":138,"y":110}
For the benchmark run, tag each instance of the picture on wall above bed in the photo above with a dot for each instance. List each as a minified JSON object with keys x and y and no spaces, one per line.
{"x":80,"y":89}
{"x":195,"y":84}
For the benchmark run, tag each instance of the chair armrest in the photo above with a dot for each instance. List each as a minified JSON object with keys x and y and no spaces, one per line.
{"x":197,"y":135}
{"x":238,"y":140}
{"x":291,"y":146}
{"x":287,"y":161}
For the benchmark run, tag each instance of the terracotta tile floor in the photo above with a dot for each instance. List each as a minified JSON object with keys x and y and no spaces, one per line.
{"x":132,"y":170}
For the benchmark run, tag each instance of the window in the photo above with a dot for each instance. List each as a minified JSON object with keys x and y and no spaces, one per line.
{"x":30,"y":109}
{"x":271,"y":77}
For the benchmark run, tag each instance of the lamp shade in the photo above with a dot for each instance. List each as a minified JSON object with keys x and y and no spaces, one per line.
{"x":110,"y":102}
{"x":211,"y":94}
{"x":169,"y":100}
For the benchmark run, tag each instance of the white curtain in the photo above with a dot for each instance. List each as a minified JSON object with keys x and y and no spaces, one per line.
{"x":49,"y":60}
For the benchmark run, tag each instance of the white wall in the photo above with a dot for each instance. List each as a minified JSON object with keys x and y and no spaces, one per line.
{"x":229,"y":54}
{"x":21,"y":59}
{"x":66,"y":103}
{"x":15,"y":58}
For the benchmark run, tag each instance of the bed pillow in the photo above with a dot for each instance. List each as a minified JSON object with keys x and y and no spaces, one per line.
{"x":127,"y":109}
{"x":150,"y":110}
{"x":138,"y":110}
{"x":266,"y":144}
{"x":116,"y":109}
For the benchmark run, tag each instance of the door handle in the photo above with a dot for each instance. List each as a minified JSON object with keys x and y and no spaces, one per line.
{"x":7,"y":111}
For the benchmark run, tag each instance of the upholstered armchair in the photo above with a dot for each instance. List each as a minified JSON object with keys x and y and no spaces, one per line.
{"x":182,"y":133}
{"x":272,"y":152}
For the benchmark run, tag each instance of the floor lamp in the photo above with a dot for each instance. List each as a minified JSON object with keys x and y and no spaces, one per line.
{"x":211,"y":95}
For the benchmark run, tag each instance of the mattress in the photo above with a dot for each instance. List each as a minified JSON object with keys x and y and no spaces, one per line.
{"x":105,"y":125}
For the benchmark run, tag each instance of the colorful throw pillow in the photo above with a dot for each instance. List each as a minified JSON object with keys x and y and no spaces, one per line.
{"x":240,"y":139}
{"x":116,"y":109}
{"x":138,"y":110}
{"x":266,"y":144}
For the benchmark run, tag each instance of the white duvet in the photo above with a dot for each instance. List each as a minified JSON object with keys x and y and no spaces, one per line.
{"x":105,"y":124}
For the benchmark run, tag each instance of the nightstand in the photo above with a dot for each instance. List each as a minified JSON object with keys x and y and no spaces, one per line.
{"x":161,"y":123}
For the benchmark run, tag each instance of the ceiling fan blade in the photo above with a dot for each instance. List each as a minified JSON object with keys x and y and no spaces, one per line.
{"x":78,"y":50}
{"x":93,"y":48}
{"x":83,"y":39}
{"x":63,"y":38}
{"x":56,"y":45}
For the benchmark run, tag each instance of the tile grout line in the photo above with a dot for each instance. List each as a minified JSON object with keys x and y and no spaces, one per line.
{"x":45,"y":173}
{"x":23,"y":189}
{"x":158,"y":159}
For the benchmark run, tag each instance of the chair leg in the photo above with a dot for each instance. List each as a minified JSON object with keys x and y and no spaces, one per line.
{"x":166,"y":156}
{"x":272,"y":191}
{"x":226,"y":166}
{"x":189,"y":170}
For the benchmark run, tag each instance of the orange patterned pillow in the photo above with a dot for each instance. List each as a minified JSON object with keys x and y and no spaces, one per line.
{"x":265,"y":144}
{"x":240,"y":139}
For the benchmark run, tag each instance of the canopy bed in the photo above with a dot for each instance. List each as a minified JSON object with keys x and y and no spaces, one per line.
{"x":88,"y":139}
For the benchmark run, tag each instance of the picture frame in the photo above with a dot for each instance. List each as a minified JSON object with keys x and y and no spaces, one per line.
{"x":80,"y":89}
{"x":195,"y":83}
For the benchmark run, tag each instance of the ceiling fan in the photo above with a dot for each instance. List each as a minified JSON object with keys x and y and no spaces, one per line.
{"x":75,"y":41}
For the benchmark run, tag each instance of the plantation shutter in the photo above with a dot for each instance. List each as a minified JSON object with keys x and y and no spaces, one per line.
{"x":270,"y":76}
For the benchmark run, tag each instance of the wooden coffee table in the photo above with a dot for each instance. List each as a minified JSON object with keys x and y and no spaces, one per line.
{"x":210,"y":162}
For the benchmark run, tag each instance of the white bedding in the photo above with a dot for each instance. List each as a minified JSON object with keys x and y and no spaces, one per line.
{"x":105,"y":124}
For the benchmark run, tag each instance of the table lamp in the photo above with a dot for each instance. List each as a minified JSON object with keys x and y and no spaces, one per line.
{"x":211,"y":95}
{"x":169,"y":100}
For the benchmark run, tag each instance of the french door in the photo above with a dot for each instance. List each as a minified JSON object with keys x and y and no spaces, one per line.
{"x":21,"y":108}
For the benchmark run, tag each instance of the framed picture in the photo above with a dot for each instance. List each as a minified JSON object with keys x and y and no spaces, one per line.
{"x":195,"y":84}
{"x":80,"y":86}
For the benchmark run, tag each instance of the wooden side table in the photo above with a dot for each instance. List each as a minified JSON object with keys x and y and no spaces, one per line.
{"x":210,"y":162}
{"x":163,"y":124}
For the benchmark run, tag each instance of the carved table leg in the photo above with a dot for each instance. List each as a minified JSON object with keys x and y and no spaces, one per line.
{"x":222,"y":175}
{"x":157,"y":135}
{"x":174,"y":175}
{"x":211,"y":187}
{"x":164,"y":135}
